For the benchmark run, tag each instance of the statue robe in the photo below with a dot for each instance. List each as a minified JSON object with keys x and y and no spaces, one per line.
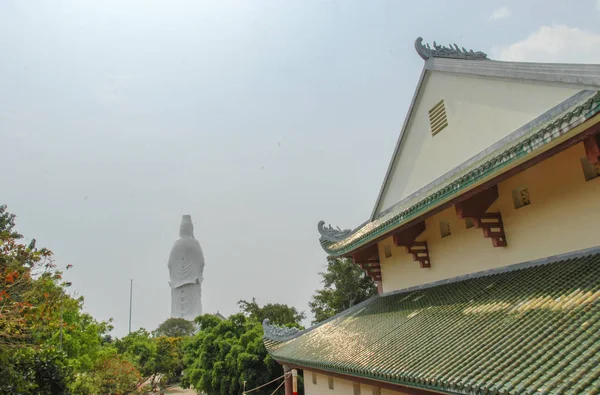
{"x":186,"y":265}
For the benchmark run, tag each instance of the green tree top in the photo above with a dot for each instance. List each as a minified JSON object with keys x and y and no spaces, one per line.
{"x":345,"y":285}
{"x":175,"y":327}
{"x":278,"y":314}
{"x":7,"y":223}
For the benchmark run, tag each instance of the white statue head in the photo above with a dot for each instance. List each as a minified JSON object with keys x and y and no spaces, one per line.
{"x":186,"y":229}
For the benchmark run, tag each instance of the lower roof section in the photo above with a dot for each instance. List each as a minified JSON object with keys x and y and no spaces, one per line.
{"x":532,"y":327}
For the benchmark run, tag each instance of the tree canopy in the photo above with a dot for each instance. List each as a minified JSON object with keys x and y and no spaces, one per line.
{"x":278,"y":314}
{"x":48,"y":345}
{"x":345,"y":284}
{"x":225,"y":353}
{"x":175,"y":327}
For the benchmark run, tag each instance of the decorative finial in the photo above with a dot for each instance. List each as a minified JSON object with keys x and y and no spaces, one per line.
{"x":330,"y":234}
{"x":274,"y":332}
{"x":452,"y":51}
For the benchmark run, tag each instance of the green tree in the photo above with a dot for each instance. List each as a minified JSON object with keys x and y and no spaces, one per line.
{"x":7,"y":223}
{"x":112,"y":374}
{"x":140,"y":349}
{"x":225,"y":353}
{"x":278,"y":314}
{"x":345,"y":284}
{"x":29,"y":286}
{"x":47,"y":344}
{"x":155,"y":357}
{"x":169,"y":357}
{"x":175,"y":327}
{"x":42,"y":370}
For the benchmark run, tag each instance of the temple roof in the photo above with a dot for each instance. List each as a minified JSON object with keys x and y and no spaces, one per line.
{"x":526,"y":328}
{"x":523,"y":143}
{"x":458,"y":60}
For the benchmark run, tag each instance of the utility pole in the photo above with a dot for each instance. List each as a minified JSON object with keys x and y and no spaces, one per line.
{"x":130,"y":300}
{"x":61,"y":322}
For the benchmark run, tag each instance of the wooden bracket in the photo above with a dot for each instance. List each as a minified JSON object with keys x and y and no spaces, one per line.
{"x":418,"y":249}
{"x":475,"y":208}
{"x":477,"y":205}
{"x":373,"y":270}
{"x":592,"y":148}
{"x":493,"y":228}
{"x":368,"y":260}
{"x":420,"y":253}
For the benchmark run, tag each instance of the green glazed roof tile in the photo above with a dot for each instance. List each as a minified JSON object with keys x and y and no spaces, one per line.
{"x":528,"y":328}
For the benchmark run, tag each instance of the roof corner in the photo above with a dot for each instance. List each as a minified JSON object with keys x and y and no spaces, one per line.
{"x":278,"y":333}
{"x":452,"y":51}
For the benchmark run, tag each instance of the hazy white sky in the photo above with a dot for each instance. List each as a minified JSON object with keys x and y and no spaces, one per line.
{"x":258,"y":118}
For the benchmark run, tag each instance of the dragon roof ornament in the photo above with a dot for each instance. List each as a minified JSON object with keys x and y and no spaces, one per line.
{"x":452,"y":51}
{"x":274,"y":332}
{"x":332,"y":234}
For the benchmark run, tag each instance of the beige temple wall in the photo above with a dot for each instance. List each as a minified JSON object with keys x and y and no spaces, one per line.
{"x":480,"y":112}
{"x":340,"y":386}
{"x":563,"y":216}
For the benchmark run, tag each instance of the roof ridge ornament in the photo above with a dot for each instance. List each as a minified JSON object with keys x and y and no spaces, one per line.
{"x":332,"y":234}
{"x":274,"y":332}
{"x":452,"y":51}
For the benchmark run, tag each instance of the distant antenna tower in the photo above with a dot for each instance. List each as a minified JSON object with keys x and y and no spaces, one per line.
{"x":130,"y":300}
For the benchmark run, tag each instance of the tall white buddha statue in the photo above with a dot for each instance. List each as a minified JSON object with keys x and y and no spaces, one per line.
{"x":186,"y":265}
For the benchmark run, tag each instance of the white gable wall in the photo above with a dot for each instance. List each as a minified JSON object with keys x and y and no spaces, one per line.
{"x":480,"y":111}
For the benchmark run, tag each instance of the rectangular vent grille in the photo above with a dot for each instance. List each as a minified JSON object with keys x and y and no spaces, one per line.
{"x":437,"y":118}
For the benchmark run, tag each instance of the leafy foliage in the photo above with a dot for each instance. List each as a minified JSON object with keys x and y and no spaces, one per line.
{"x":47,"y":344}
{"x":35,"y":370}
{"x":159,"y":359}
{"x":169,"y":361}
{"x":140,"y":349}
{"x":345,"y":285}
{"x":225,"y":353}
{"x":112,"y":374}
{"x":278,"y":314}
{"x":176,"y":327}
{"x":7,"y":223}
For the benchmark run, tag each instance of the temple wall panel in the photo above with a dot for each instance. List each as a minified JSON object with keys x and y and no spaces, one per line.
{"x":340,"y":386}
